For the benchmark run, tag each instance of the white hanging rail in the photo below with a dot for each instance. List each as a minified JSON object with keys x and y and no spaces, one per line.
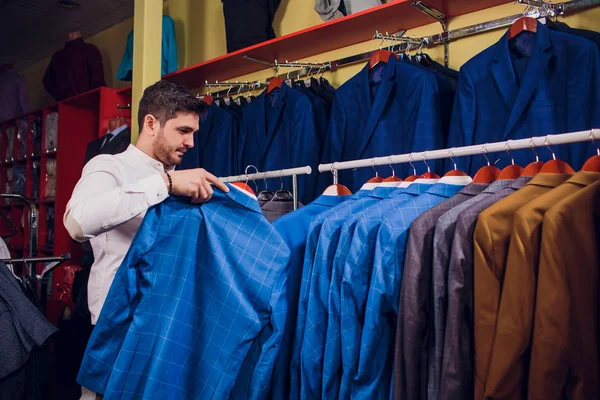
{"x":293,"y":172}
{"x":477,"y":149}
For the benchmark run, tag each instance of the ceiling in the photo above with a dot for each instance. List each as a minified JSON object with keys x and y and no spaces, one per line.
{"x":31,"y":30}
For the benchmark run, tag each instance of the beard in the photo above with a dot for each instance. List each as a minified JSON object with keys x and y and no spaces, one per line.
{"x":166,"y":153}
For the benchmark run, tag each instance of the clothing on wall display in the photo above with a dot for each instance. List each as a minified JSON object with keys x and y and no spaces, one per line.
{"x":248,"y":22}
{"x":532,"y":85}
{"x":201,"y":335}
{"x":13,"y":93}
{"x":114,"y":142}
{"x":169,"y":52}
{"x":73,"y":70}
{"x":51,"y":130}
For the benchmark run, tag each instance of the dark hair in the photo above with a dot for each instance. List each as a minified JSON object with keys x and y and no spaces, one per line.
{"x":165,"y":99}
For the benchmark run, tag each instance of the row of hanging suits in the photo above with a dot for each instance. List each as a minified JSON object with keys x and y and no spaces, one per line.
{"x":446,"y":288}
{"x":533,"y":85}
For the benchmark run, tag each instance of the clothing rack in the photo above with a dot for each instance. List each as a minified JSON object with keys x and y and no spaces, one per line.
{"x":305,"y":67}
{"x":242,"y":87}
{"x":478,"y":149}
{"x":293,"y":172}
{"x":535,"y":9}
{"x":30,"y":261}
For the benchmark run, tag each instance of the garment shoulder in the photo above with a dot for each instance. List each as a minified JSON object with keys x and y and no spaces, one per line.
{"x":112,"y":164}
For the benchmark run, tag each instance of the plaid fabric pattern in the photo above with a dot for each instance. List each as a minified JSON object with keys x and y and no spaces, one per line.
{"x":307,"y":271}
{"x":197,"y":286}
{"x":348,"y":291}
{"x":313,"y":344}
{"x":373,"y":376}
{"x":456,"y":381}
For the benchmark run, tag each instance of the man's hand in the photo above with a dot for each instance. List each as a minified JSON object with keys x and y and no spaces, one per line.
{"x":195,"y":183}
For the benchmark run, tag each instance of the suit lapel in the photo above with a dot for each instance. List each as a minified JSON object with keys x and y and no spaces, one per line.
{"x":204,"y":132}
{"x":118,"y":144}
{"x":535,"y":71}
{"x":261,"y":118}
{"x":504,"y":74}
{"x":274,"y":114}
{"x":381,"y":99}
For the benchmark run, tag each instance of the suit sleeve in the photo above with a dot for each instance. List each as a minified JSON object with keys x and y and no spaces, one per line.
{"x":307,"y":149}
{"x":334,"y":141}
{"x":259,"y":384}
{"x":462,"y":123}
{"x":117,"y":313}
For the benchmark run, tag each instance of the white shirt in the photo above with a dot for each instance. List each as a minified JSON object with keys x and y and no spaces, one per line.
{"x":107,"y":207}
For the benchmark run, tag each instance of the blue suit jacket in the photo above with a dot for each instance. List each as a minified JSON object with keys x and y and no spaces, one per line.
{"x":350,"y":289}
{"x":169,"y":51}
{"x":214,"y":144}
{"x":403,"y":116}
{"x":309,"y":255}
{"x":559,"y":92}
{"x":293,"y":228}
{"x":197,"y":286}
{"x":374,"y":370}
{"x":313,"y":344}
{"x":278,"y":131}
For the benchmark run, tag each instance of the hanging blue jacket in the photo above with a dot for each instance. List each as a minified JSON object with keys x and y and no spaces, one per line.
{"x":543,"y":83}
{"x":196,"y":288}
{"x":169,"y":52}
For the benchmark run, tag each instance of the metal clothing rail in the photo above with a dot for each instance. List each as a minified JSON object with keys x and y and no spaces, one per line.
{"x":240,"y":87}
{"x":535,"y":9}
{"x":293,"y":172}
{"x":478,"y":149}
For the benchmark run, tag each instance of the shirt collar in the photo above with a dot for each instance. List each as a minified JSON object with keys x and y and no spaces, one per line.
{"x":118,"y":130}
{"x":134,"y":153}
{"x":381,"y":192}
{"x":330,"y":201}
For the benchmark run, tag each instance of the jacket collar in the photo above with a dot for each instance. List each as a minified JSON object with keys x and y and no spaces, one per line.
{"x":268,"y":117}
{"x":584,"y":178}
{"x":444,"y":189}
{"x":418,"y":188}
{"x":497,"y":186}
{"x":549,"y":180}
{"x":473,"y":189}
{"x":330,"y":201}
{"x":241,"y":198}
{"x":517,"y":97}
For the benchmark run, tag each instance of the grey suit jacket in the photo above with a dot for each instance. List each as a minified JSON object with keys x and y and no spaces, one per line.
{"x":275,"y":209}
{"x":415,"y":295}
{"x":457,"y":361}
{"x":442,"y":245}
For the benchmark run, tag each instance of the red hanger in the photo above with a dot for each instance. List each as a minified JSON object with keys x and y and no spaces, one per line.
{"x":244,"y":186}
{"x":555,"y":166}
{"x":275,"y":83}
{"x":428,"y":174}
{"x":337,"y":190}
{"x":392,"y":178}
{"x":414,"y":176}
{"x":381,"y":56}
{"x":513,"y":171}
{"x":208,"y":99}
{"x":377,"y":179}
{"x":533,"y":168}
{"x":522,"y":24}
{"x":411,"y":178}
{"x":593,"y":164}
{"x":487,"y":174}
{"x":455,"y":171}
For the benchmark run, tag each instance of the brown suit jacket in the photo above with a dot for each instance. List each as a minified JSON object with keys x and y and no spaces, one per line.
{"x":508,"y":368}
{"x":566,"y":330}
{"x":491,"y":240}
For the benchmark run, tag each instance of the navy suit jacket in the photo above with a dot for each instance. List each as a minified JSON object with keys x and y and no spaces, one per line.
{"x":403,"y":117}
{"x":278,"y":131}
{"x":559,"y":92}
{"x":198,"y":285}
{"x":214,"y":144}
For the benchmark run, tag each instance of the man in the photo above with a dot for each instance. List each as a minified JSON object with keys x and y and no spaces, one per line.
{"x":115,"y":191}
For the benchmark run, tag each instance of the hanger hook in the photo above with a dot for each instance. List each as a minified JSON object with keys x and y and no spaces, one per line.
{"x":547,"y":144}
{"x":594,"y":142}
{"x":373,"y":166}
{"x":484,"y":152}
{"x":410,"y":160}
{"x":425,"y":161}
{"x":265,"y":179}
{"x":281,"y":180}
{"x":390,"y":164}
{"x":240,"y":89}
{"x":451,"y":153}
{"x":229,"y":90}
{"x":276,"y":68}
{"x":253,"y":178}
{"x":537,"y":158}
{"x":507,"y":149}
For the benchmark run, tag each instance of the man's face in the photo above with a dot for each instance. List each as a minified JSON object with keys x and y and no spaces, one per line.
{"x":175,"y":138}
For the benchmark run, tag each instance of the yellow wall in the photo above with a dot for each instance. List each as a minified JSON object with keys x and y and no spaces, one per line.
{"x":200,"y":31}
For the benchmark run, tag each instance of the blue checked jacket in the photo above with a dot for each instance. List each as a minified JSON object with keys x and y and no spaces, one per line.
{"x":349,"y":288}
{"x":313,"y":344}
{"x":198,"y":285}
{"x":373,"y":377}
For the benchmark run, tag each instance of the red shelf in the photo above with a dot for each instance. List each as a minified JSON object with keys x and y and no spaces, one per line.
{"x":356,"y":28}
